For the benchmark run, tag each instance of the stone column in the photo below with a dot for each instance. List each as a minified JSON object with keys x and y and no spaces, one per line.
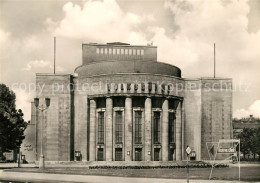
{"x":109,"y":129}
{"x":178,"y":133}
{"x":92,"y":131}
{"x":148,"y":128}
{"x":128,"y":128}
{"x":165,"y":130}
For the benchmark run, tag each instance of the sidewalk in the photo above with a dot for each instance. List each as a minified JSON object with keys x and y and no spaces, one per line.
{"x":15,"y":165}
{"x":21,"y":176}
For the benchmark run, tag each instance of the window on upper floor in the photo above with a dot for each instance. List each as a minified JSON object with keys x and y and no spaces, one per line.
{"x":101,"y":127}
{"x":119,"y":127}
{"x":156,"y":127}
{"x":138,"y":127}
{"x":171,"y":127}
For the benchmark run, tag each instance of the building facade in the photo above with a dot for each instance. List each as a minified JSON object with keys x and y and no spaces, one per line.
{"x":122,"y":104}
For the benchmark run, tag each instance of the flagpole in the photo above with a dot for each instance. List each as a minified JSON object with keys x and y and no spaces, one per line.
{"x":54,"y":53}
{"x":214,"y":61}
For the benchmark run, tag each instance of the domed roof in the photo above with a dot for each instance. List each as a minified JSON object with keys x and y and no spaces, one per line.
{"x":116,"y":67}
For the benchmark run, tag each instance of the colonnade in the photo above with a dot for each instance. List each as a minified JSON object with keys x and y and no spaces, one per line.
{"x":148,"y":148}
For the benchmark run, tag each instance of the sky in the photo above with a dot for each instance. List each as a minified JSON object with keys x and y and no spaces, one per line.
{"x":184,"y":31}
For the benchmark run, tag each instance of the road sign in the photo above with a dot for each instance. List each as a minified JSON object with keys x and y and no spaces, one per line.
{"x":188,"y":150}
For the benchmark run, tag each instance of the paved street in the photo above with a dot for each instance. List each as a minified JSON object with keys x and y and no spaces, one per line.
{"x":22,"y":176}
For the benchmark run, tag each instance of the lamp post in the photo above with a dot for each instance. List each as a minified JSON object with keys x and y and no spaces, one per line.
{"x":42,"y":108}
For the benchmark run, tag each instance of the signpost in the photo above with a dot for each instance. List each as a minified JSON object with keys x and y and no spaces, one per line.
{"x":188,"y":150}
{"x":221,"y":148}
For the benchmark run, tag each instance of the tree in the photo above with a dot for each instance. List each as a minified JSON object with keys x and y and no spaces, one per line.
{"x":12,"y":124}
{"x":246,"y":141}
{"x":257,"y":142}
{"x":254,"y":142}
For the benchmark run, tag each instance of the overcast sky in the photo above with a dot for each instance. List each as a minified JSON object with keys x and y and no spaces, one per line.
{"x":184,"y":32}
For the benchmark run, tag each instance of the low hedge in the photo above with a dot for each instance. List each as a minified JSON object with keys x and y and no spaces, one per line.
{"x":159,"y":167}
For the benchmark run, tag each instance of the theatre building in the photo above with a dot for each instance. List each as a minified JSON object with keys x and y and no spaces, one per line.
{"x":122,"y":104}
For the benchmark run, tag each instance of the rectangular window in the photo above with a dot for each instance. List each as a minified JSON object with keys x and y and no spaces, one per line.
{"x":105,"y":50}
{"x":130,"y":51}
{"x":134,"y":51}
{"x":138,"y":52}
{"x":171,"y":127}
{"x":138,"y":127}
{"x":156,"y":127}
{"x":142,"y":52}
{"x":114,"y":51}
{"x":101,"y":50}
{"x":110,"y":51}
{"x":122,"y":51}
{"x":118,"y":51}
{"x":101,"y":127}
{"x":126,"y":51}
{"x":119,"y":126}
{"x":97,"y":50}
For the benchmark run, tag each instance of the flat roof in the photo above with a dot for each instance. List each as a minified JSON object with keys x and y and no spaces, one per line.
{"x":118,"y":44}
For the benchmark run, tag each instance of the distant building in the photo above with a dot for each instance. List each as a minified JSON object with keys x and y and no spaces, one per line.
{"x":240,"y":124}
{"x":122,"y":104}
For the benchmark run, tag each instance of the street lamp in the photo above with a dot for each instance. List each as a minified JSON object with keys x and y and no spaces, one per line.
{"x":42,"y":108}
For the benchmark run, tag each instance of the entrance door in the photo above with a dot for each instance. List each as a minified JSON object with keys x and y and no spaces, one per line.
{"x":156,"y":154}
{"x":138,"y":154}
{"x":171,"y":154}
{"x":118,"y":154}
{"x":100,"y":154}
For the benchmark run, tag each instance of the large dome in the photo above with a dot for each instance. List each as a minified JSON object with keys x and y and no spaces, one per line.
{"x":115,"y":67}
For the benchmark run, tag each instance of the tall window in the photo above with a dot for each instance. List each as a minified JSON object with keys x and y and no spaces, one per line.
{"x":171,"y":127}
{"x":156,"y":127}
{"x":119,"y":127}
{"x":101,"y":127}
{"x":138,"y":127}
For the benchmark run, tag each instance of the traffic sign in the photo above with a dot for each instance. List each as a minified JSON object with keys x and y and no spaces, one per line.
{"x":188,"y":150}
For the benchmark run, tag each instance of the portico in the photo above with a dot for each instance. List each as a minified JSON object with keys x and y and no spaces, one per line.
{"x":135,"y":128}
